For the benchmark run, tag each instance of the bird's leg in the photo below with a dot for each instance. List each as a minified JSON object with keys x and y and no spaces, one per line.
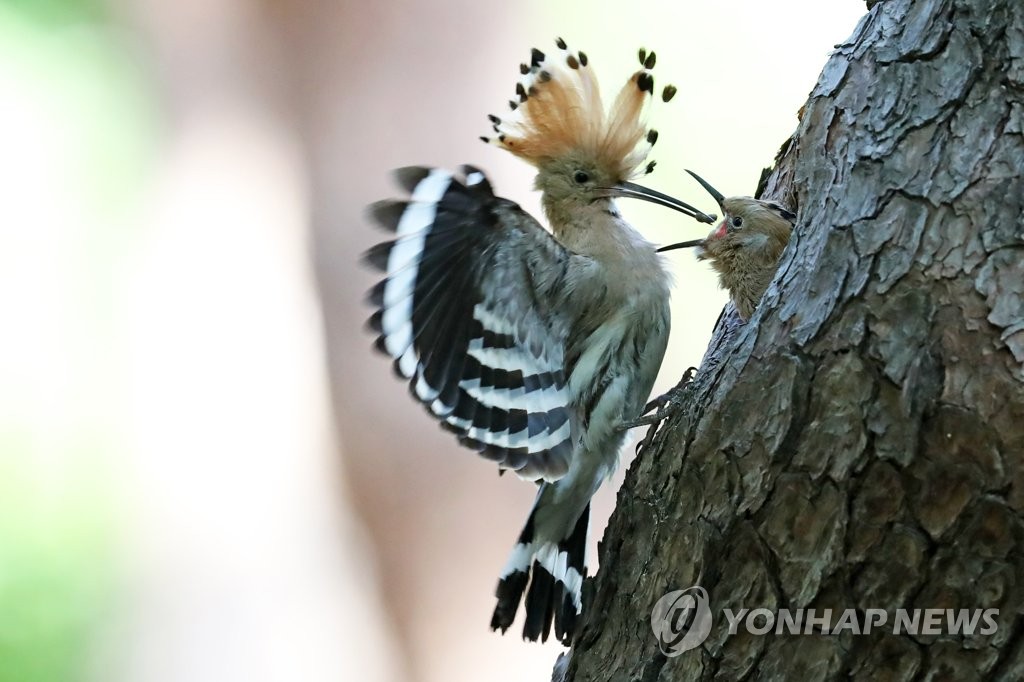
{"x":664,"y":404}
{"x":660,"y":408}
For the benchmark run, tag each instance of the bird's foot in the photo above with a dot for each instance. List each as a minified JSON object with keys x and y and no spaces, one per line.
{"x":659,"y":409}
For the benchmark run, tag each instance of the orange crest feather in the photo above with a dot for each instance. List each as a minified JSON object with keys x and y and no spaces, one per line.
{"x":560,"y":112}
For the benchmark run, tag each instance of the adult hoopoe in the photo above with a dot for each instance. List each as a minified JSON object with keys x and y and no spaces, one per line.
{"x":534,"y":348}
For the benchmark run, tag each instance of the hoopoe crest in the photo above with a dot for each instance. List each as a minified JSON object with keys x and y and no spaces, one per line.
{"x":560,"y":125}
{"x":560,"y":113}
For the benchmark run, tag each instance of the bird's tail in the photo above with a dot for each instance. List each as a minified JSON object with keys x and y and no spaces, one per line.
{"x":551,"y":572}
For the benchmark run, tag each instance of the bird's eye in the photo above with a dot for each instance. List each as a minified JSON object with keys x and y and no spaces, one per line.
{"x":737,"y":221}
{"x":580,"y":177}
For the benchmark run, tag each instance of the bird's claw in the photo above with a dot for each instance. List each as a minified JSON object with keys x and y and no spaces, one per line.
{"x":659,"y":409}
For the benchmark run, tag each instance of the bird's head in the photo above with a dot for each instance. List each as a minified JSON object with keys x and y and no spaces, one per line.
{"x":583,"y":153}
{"x":750,"y":229}
{"x":745,"y":247}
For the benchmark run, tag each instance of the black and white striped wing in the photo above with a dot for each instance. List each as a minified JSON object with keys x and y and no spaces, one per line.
{"x":465,"y":312}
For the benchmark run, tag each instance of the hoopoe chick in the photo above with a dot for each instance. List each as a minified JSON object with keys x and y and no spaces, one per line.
{"x":744,"y":249}
{"x":534,"y":347}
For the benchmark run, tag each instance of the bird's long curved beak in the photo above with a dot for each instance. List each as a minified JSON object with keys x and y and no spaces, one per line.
{"x":635,"y":191}
{"x":715,"y":194}
{"x":682,"y":245}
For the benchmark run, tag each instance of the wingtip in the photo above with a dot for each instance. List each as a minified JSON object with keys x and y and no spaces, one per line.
{"x":410,"y":176}
{"x":387,"y":213}
{"x":377,"y":256}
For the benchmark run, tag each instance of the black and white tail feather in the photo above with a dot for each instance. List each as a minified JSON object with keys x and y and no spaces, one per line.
{"x":555,"y":572}
{"x":461,"y":311}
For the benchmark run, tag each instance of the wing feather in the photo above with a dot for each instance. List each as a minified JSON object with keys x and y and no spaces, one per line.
{"x":459,"y":312}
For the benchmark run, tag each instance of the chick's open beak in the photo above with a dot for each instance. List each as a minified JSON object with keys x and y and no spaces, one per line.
{"x":682,"y":245}
{"x":716,"y":195}
{"x":635,"y":191}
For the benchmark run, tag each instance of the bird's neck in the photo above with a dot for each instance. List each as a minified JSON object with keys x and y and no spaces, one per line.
{"x":747,"y":272}
{"x":597,"y":229}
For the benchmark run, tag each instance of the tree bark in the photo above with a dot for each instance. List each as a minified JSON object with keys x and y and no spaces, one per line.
{"x":859,"y":442}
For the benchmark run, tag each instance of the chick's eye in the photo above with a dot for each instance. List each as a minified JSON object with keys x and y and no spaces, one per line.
{"x":580,"y":177}
{"x":737,"y":222}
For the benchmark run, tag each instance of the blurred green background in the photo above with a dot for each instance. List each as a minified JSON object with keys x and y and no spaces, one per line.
{"x":76,"y":133}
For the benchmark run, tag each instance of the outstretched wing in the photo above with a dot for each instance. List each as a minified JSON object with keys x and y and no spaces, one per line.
{"x":465,"y":311}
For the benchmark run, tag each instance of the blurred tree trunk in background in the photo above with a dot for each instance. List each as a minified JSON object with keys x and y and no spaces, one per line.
{"x":858,"y":444}
{"x":362,"y":109}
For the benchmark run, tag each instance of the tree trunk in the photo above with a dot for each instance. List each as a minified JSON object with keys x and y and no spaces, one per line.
{"x":859,"y":443}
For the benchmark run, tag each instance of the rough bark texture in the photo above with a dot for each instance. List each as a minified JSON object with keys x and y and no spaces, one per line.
{"x":859,"y":442}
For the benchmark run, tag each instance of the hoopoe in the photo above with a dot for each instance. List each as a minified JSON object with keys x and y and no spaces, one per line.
{"x":745,"y":247}
{"x":535,"y":346}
